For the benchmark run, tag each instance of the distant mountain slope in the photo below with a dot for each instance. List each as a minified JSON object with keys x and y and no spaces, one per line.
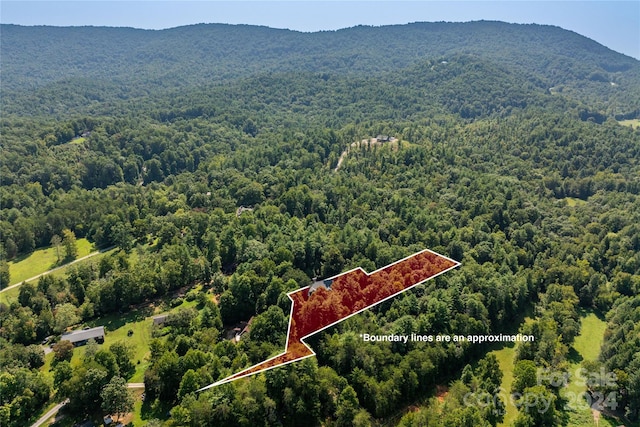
{"x":125,"y":62}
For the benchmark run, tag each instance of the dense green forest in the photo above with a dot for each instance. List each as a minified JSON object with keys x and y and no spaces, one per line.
{"x":220,"y":162}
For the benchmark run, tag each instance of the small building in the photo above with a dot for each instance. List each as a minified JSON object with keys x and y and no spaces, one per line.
{"x":83,"y":336}
{"x":242,"y":329}
{"x":160,"y":319}
{"x":326,"y":283}
{"x":242,"y":209}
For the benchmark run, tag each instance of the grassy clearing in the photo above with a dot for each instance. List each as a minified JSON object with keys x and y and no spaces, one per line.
{"x":117,"y":327}
{"x":42,"y":260}
{"x":505,"y":358}
{"x":8,"y":296}
{"x":12,"y":294}
{"x":591,"y":327}
{"x":585,"y":347}
{"x":139,"y":340}
{"x":134,"y":417}
{"x":634,"y":123}
{"x":505,"y":354}
{"x":573,"y":202}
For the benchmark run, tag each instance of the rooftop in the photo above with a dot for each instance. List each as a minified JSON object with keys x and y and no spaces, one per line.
{"x":84,"y":334}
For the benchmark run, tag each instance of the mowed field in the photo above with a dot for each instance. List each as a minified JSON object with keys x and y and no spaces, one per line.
{"x":133,"y":328}
{"x":587,"y":348}
{"x":12,"y":294}
{"x":117,"y":327}
{"x":505,"y":358}
{"x":42,"y":260}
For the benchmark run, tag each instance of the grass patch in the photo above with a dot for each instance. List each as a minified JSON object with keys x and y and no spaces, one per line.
{"x":505,"y":354}
{"x":117,"y":327}
{"x":41,"y":260}
{"x":505,"y":358}
{"x":135,"y":417}
{"x":586,"y":347}
{"x":633,"y":123}
{"x":592,"y":326}
{"x":47,"y":368}
{"x":7,"y":297}
{"x":573,"y":202}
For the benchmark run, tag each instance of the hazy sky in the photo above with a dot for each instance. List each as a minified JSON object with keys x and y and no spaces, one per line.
{"x":615,"y":24}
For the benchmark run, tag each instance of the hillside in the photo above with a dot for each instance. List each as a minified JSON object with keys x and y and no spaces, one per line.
{"x":207,"y":156}
{"x":106,"y":64}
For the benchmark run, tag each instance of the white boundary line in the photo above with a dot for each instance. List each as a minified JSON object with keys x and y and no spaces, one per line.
{"x":313,"y":353}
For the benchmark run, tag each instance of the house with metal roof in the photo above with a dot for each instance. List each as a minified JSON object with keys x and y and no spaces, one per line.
{"x":82,"y":336}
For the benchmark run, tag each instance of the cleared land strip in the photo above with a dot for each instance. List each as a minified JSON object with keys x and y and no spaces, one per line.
{"x":58,"y":268}
{"x":365,"y":142}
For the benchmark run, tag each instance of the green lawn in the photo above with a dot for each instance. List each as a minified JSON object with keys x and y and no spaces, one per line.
{"x":8,"y":296}
{"x":12,"y":294}
{"x":634,"y":123}
{"x":117,"y":328}
{"x":140,"y":340}
{"x":585,"y":347}
{"x":505,"y":353}
{"x":591,"y":336}
{"x":41,"y":260}
{"x":505,"y":358}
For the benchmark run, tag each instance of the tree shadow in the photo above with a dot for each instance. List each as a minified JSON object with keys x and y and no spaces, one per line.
{"x":58,"y":264}
{"x":563,"y":416}
{"x":21,"y":257}
{"x":574,"y":356}
{"x":584,"y":312}
{"x":155,"y":409}
{"x":114,"y":321}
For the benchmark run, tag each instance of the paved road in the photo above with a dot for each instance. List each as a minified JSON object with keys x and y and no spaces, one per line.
{"x":49,"y":414}
{"x":58,"y":268}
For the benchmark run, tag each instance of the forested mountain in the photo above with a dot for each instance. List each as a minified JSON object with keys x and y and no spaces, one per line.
{"x":227,"y":165}
{"x":129,"y":63}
